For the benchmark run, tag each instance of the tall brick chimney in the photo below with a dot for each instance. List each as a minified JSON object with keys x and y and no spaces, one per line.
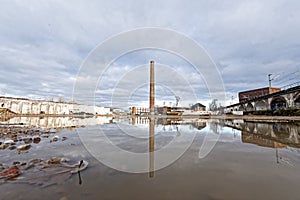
{"x":151,"y":106}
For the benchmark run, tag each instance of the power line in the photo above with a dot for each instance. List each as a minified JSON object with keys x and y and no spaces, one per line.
{"x":286,"y":81}
{"x":282,"y":78}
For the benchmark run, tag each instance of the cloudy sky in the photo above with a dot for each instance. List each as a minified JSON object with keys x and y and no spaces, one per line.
{"x":44,"y":46}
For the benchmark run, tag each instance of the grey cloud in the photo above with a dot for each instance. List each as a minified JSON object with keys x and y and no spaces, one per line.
{"x":43,"y":43}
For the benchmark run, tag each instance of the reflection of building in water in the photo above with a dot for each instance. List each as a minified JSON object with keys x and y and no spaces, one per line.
{"x":139,"y":120}
{"x":260,"y":141}
{"x":284,"y":133}
{"x":170,"y":121}
{"x":160,"y":121}
{"x":58,"y":122}
{"x":199,"y":124}
{"x":215,"y":127}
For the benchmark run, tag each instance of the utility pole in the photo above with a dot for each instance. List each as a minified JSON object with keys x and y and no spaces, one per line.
{"x":270,"y":87}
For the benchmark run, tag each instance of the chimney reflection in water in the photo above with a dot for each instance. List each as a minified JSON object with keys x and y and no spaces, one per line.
{"x":151,"y":146}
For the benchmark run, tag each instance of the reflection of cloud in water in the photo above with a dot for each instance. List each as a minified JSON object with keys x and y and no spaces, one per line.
{"x":58,"y":122}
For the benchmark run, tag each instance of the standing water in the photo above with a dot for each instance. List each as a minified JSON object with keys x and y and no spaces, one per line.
{"x":244,"y":159}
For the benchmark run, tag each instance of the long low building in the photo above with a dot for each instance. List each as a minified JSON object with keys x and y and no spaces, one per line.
{"x":252,"y":94}
{"x":33,"y":107}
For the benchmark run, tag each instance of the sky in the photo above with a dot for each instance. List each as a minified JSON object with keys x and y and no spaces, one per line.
{"x":45,"y":47}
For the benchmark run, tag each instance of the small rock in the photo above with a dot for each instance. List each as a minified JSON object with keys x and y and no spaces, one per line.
{"x":52,"y":130}
{"x":15,"y":139}
{"x":55,"y":160}
{"x":36,"y":140}
{"x":3,"y":146}
{"x":11,"y":172}
{"x":12,"y":147}
{"x":23,"y":147}
{"x":63,"y":138}
{"x":45,"y":136}
{"x":29,"y":166}
{"x":27,"y":140}
{"x":34,"y":161}
{"x":8,"y":142}
{"x":55,"y":138}
{"x":16,"y":163}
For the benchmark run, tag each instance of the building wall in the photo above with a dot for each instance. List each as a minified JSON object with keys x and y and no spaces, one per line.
{"x":27,"y":106}
{"x":133,"y":110}
{"x":251,"y":94}
{"x":198,"y":107}
{"x":139,"y":110}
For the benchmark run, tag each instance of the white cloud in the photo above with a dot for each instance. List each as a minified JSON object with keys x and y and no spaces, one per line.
{"x":45,"y":42}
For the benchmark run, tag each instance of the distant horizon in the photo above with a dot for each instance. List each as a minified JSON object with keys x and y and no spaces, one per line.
{"x":142,"y":105}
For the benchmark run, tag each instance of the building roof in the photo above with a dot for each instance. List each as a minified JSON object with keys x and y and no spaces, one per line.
{"x":199,"y":104}
{"x":258,"y":89}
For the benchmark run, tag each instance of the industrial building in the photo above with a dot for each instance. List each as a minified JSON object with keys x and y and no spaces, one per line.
{"x":25,"y":106}
{"x":195,"y":109}
{"x":198,"y":107}
{"x":252,"y":94}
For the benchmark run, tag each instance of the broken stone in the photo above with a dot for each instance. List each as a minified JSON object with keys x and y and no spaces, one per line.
{"x":55,"y":160}
{"x":11,"y":173}
{"x":8,"y":142}
{"x":34,"y":161}
{"x":23,"y":147}
{"x":3,"y":146}
{"x":16,"y":163}
{"x":12,"y":147}
{"x":29,"y":166}
{"x":27,"y":140}
{"x":55,"y":138}
{"x":45,"y":136}
{"x":36,"y":140}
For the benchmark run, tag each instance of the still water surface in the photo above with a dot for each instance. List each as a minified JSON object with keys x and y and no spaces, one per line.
{"x":249,"y":161}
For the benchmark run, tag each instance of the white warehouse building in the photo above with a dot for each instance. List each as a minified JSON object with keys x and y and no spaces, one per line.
{"x":32,"y":107}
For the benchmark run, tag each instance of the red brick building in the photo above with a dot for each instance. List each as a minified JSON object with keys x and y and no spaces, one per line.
{"x":252,"y":94}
